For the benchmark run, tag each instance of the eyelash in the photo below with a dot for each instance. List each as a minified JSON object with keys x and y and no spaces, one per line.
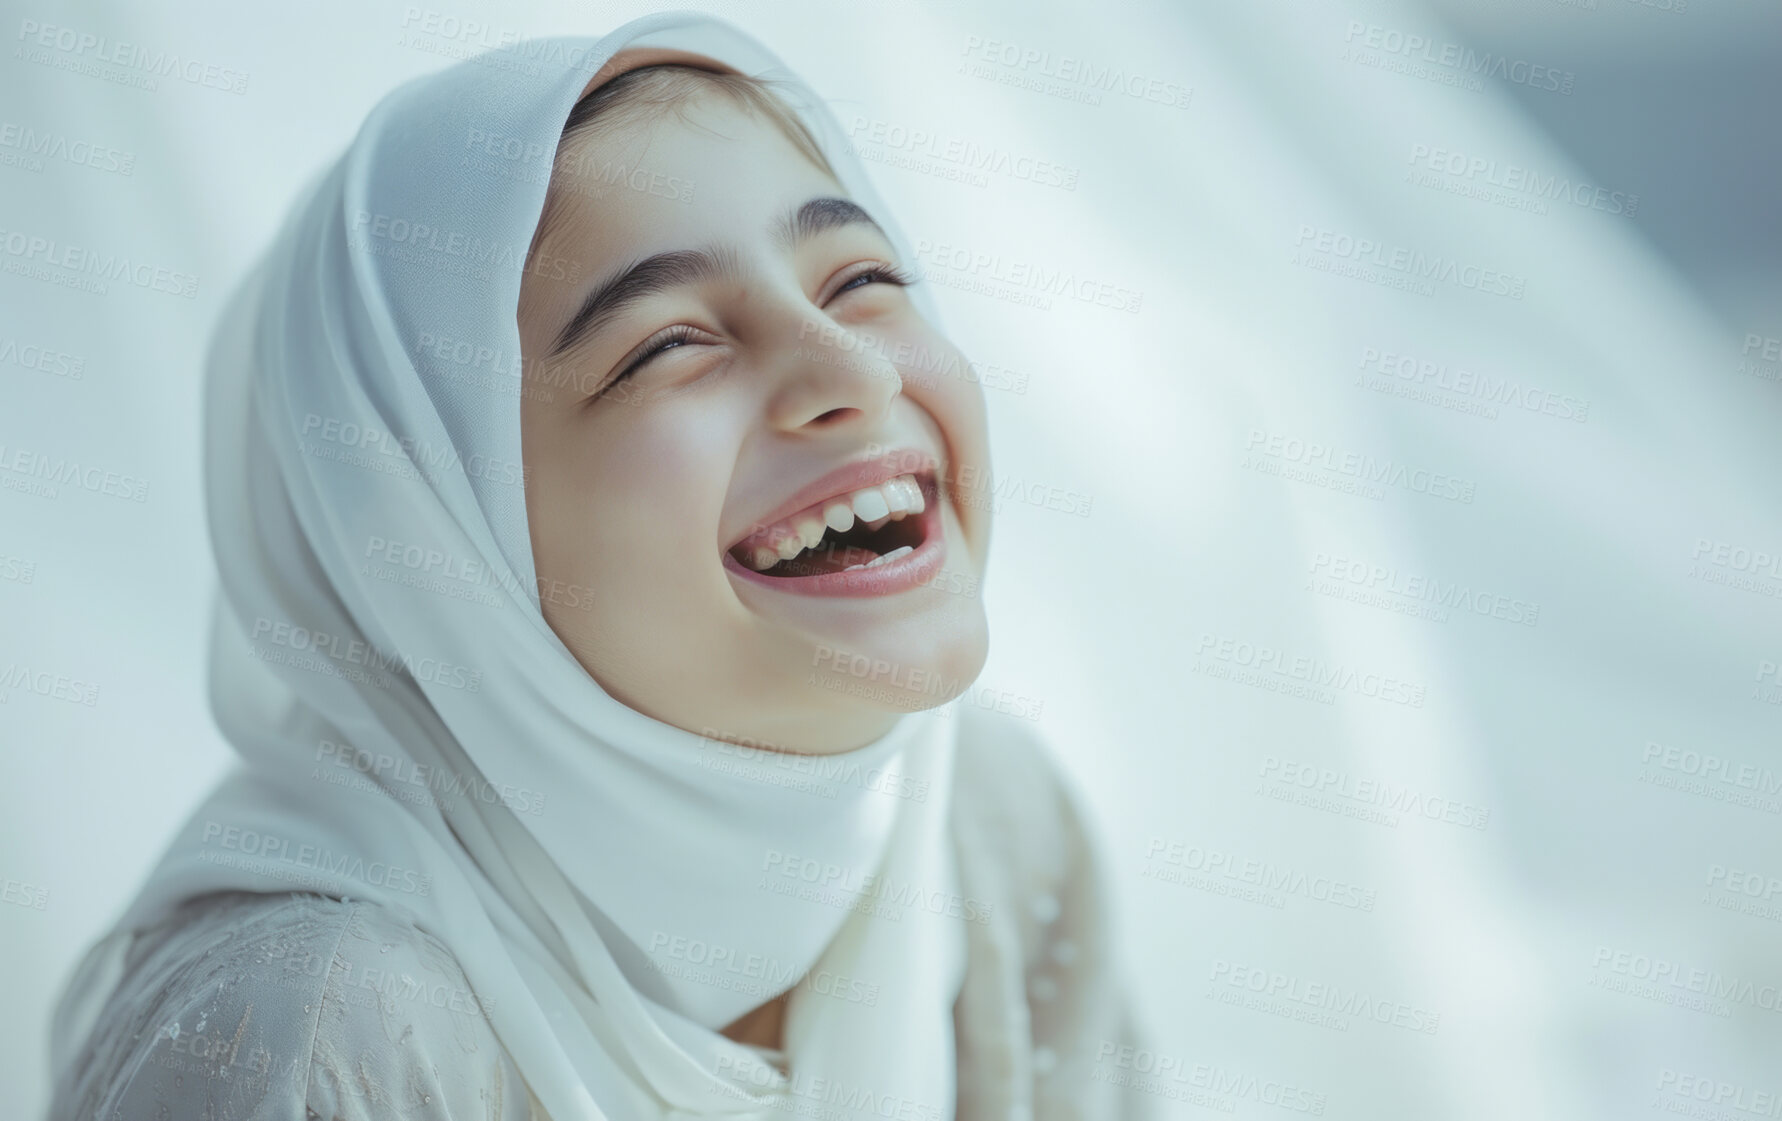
{"x":886,"y":274}
{"x":674,"y":336}
{"x":680,"y":334}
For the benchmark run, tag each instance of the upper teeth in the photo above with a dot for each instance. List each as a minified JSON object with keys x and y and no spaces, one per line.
{"x":874,"y":505}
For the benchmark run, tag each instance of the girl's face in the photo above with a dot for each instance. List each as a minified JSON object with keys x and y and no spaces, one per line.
{"x":763,"y":387}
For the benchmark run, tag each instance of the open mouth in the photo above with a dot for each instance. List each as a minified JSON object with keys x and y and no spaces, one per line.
{"x":863,"y":529}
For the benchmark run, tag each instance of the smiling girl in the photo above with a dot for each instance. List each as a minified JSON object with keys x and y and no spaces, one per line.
{"x":596,"y":582}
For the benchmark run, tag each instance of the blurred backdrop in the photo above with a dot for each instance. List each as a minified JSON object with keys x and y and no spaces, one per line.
{"x":1387,"y":533}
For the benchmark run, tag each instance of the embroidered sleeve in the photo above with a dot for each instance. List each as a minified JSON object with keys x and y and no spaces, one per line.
{"x":291,"y":1008}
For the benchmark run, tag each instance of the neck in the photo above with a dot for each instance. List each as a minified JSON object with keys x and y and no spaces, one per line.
{"x":763,"y":1026}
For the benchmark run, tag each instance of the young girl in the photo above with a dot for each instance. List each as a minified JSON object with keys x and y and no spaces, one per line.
{"x":595,"y":568}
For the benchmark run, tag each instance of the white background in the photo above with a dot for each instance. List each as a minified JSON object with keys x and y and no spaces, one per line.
{"x":1111,"y":621}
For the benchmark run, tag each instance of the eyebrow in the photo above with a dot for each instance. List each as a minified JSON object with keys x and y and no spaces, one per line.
{"x":609,"y":299}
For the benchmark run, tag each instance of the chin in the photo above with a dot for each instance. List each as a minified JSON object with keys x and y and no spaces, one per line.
{"x":918,"y":665}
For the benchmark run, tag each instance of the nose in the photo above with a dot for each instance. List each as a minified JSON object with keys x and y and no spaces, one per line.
{"x":834,"y":378}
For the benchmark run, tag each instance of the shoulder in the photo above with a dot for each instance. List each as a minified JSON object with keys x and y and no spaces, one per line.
{"x":1013,"y":800}
{"x":1026,"y":842}
{"x":276,"y":1007}
{"x":1023,"y":839}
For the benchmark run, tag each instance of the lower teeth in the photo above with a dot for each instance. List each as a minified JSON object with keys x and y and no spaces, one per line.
{"x":876,"y":561}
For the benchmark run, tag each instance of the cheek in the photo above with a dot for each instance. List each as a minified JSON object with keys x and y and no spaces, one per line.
{"x":942,"y":383}
{"x":939,"y":378}
{"x":637,"y":503}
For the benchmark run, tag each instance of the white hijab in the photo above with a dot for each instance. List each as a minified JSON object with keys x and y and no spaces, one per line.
{"x":578,"y":857}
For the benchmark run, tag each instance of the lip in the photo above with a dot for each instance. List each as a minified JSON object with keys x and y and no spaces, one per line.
{"x":880,"y":468}
{"x":909,"y":571}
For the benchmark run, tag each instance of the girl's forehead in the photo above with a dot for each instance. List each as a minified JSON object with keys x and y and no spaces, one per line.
{"x":705,"y":170}
{"x":720,"y":176}
{"x":704,"y":124}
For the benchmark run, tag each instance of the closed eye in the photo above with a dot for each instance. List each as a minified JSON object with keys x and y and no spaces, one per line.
{"x":878,"y":274}
{"x":680,"y":334}
{"x":669,"y":338}
{"x":666,"y":339}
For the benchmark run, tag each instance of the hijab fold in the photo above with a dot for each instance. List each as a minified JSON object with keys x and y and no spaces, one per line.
{"x":413,"y":733}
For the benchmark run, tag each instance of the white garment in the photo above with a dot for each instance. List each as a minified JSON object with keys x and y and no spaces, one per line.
{"x":565,"y":848}
{"x":291,"y":1007}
